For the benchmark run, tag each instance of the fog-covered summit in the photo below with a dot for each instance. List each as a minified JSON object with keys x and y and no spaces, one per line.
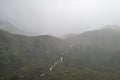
{"x":113,"y":27}
{"x":6,"y":26}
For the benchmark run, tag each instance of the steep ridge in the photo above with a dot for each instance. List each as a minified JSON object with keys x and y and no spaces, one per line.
{"x":108,"y":38}
{"x":24,"y":54}
{"x":92,"y":55}
{"x":94,"y":48}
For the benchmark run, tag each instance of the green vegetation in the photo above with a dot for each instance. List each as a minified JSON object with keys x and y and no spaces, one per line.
{"x":94,"y":55}
{"x":22,"y":55}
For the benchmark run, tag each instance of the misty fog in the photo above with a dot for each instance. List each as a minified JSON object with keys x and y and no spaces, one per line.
{"x":59,"y":40}
{"x":58,"y":17}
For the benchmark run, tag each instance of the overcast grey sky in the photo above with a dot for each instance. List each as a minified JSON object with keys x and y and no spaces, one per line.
{"x":60,"y":16}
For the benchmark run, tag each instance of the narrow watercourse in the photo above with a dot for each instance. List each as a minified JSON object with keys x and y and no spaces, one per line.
{"x":55,"y":64}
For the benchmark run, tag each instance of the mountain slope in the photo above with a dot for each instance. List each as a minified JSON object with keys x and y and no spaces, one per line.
{"x":19,"y":55}
{"x":92,"y":55}
{"x":94,"y":48}
{"x":108,"y":38}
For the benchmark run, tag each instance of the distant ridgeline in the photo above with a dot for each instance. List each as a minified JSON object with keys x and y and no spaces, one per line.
{"x":6,"y":26}
{"x":93,"y":55}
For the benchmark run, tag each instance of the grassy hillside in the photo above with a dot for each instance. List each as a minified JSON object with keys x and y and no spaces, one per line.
{"x":19,"y":55}
{"x":93,"y":55}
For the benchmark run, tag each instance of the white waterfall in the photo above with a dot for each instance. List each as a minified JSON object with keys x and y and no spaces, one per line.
{"x":54,"y":65}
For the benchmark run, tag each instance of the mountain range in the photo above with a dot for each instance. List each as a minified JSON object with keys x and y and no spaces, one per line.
{"x":92,"y":55}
